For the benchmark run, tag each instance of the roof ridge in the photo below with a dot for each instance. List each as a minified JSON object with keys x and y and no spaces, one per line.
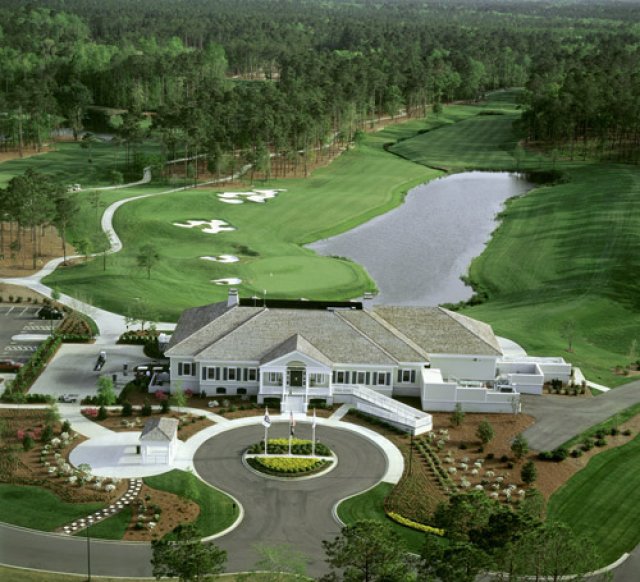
{"x":315,"y":347}
{"x":229,"y":331}
{"x":365,"y":336}
{"x":395,"y":331}
{"x":454,"y":317}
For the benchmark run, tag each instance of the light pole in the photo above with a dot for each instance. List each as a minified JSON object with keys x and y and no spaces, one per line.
{"x":88,"y":553}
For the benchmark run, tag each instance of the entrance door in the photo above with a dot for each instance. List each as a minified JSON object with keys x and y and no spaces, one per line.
{"x":296,"y":378}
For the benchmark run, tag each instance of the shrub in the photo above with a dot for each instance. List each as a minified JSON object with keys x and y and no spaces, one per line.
{"x":504,"y":459}
{"x":627,"y":432}
{"x":47,"y":434}
{"x":27,"y":442}
{"x":614,"y":431}
{"x":576,"y":453}
{"x":287,"y":465}
{"x":146,"y":409}
{"x":490,"y":456}
{"x":165,"y":406}
{"x":102,"y":413}
{"x":66,"y":426}
{"x":127,"y":409}
{"x":587,"y":444}
{"x":601,"y":442}
{"x":545,"y":455}
{"x":463,"y":446}
{"x":559,"y":454}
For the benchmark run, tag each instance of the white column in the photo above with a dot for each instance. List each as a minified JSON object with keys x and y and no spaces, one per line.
{"x":306,"y":386}
{"x":284,"y":382}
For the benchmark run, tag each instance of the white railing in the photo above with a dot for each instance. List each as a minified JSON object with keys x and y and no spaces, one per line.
{"x":387,"y":408}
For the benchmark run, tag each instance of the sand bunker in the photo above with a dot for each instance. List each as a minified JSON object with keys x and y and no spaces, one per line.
{"x":229,"y":281}
{"x":210,"y":226}
{"x":222,"y":259}
{"x":259,"y":196}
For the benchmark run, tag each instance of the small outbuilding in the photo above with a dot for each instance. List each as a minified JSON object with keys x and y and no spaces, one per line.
{"x":159,"y":441}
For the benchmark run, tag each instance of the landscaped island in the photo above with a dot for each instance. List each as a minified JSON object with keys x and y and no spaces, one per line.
{"x":289,"y":458}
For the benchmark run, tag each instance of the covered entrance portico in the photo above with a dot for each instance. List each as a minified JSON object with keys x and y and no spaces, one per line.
{"x":295,"y":377}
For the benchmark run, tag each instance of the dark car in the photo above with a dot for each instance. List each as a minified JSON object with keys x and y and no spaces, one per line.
{"x":48,"y":312}
{"x":9,"y":366}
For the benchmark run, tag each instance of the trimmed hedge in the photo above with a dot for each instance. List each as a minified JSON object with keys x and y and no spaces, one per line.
{"x":29,"y":373}
{"x":286,"y":466}
{"x":298,"y":447}
{"x":414,"y":524}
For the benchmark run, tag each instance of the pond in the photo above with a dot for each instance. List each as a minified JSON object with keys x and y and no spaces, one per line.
{"x":417,"y":252}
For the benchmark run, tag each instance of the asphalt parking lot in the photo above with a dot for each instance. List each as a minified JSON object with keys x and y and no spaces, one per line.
{"x":20,"y":319}
{"x":71,"y":371}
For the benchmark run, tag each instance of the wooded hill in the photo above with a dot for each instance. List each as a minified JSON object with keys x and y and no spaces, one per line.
{"x":283,"y":76}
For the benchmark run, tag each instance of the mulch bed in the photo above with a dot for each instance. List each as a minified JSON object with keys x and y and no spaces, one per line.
{"x":31,"y":472}
{"x":172,"y":510}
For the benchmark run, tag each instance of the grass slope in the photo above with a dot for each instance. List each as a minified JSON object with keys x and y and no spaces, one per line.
{"x":357,"y":186}
{"x":370,"y":505}
{"x":609,"y":486}
{"x":112,"y":528}
{"x":38,"y":508}
{"x":217,"y":510}
{"x":568,"y":253}
{"x":565,"y":252}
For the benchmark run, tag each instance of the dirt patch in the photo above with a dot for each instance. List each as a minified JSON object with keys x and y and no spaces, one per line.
{"x":23,"y":294}
{"x":163,"y":509}
{"x":16,"y":254}
{"x":189,"y":424}
{"x":30,"y":470}
{"x":27,"y":153}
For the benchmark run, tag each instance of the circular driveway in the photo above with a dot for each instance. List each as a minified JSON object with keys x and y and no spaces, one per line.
{"x":297,"y":513}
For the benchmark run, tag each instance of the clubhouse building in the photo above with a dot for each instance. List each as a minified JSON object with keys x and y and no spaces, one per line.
{"x":298,"y":351}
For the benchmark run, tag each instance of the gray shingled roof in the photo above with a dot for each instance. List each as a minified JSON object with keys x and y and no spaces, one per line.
{"x":327,"y":332}
{"x":194,"y":319}
{"x":159,"y":429}
{"x":296,"y":343}
{"x":440,"y":331}
{"x":386,"y":336}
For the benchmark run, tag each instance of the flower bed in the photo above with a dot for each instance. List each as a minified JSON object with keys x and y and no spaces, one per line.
{"x":287,"y":466}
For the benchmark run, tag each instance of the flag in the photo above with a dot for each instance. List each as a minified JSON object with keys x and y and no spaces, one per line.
{"x":292,"y":423}
{"x":266,"y":421}
{"x":313,"y":422}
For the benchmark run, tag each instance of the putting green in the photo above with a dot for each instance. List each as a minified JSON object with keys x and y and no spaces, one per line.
{"x":311,"y":277}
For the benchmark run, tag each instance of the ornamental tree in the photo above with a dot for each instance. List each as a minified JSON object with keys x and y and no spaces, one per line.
{"x":519,"y":446}
{"x":186,"y":557}
{"x":485,"y":432}
{"x":367,"y":551}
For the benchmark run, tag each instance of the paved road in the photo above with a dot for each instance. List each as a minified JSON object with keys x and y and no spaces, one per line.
{"x":297,"y":513}
{"x":558,"y":418}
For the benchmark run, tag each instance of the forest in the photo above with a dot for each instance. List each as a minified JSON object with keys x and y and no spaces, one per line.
{"x":263,"y":80}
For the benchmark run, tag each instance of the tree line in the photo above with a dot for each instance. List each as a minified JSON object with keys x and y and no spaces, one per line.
{"x":266,"y":77}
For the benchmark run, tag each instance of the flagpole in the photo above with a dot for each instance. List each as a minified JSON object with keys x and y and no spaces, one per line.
{"x":266,"y":422}
{"x":313,"y":433}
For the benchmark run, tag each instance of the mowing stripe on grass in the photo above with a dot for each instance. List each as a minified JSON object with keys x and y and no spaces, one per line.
{"x":603,"y":500}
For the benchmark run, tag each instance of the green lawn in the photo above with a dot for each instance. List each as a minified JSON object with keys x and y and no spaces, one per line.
{"x":603,"y":500}
{"x":38,"y":508}
{"x":568,"y":252}
{"x":69,"y":162}
{"x":354,"y":188}
{"x":112,"y":528}
{"x":370,"y":505}
{"x":217,"y":510}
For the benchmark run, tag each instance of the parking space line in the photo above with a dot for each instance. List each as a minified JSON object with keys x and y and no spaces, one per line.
{"x":10,"y":309}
